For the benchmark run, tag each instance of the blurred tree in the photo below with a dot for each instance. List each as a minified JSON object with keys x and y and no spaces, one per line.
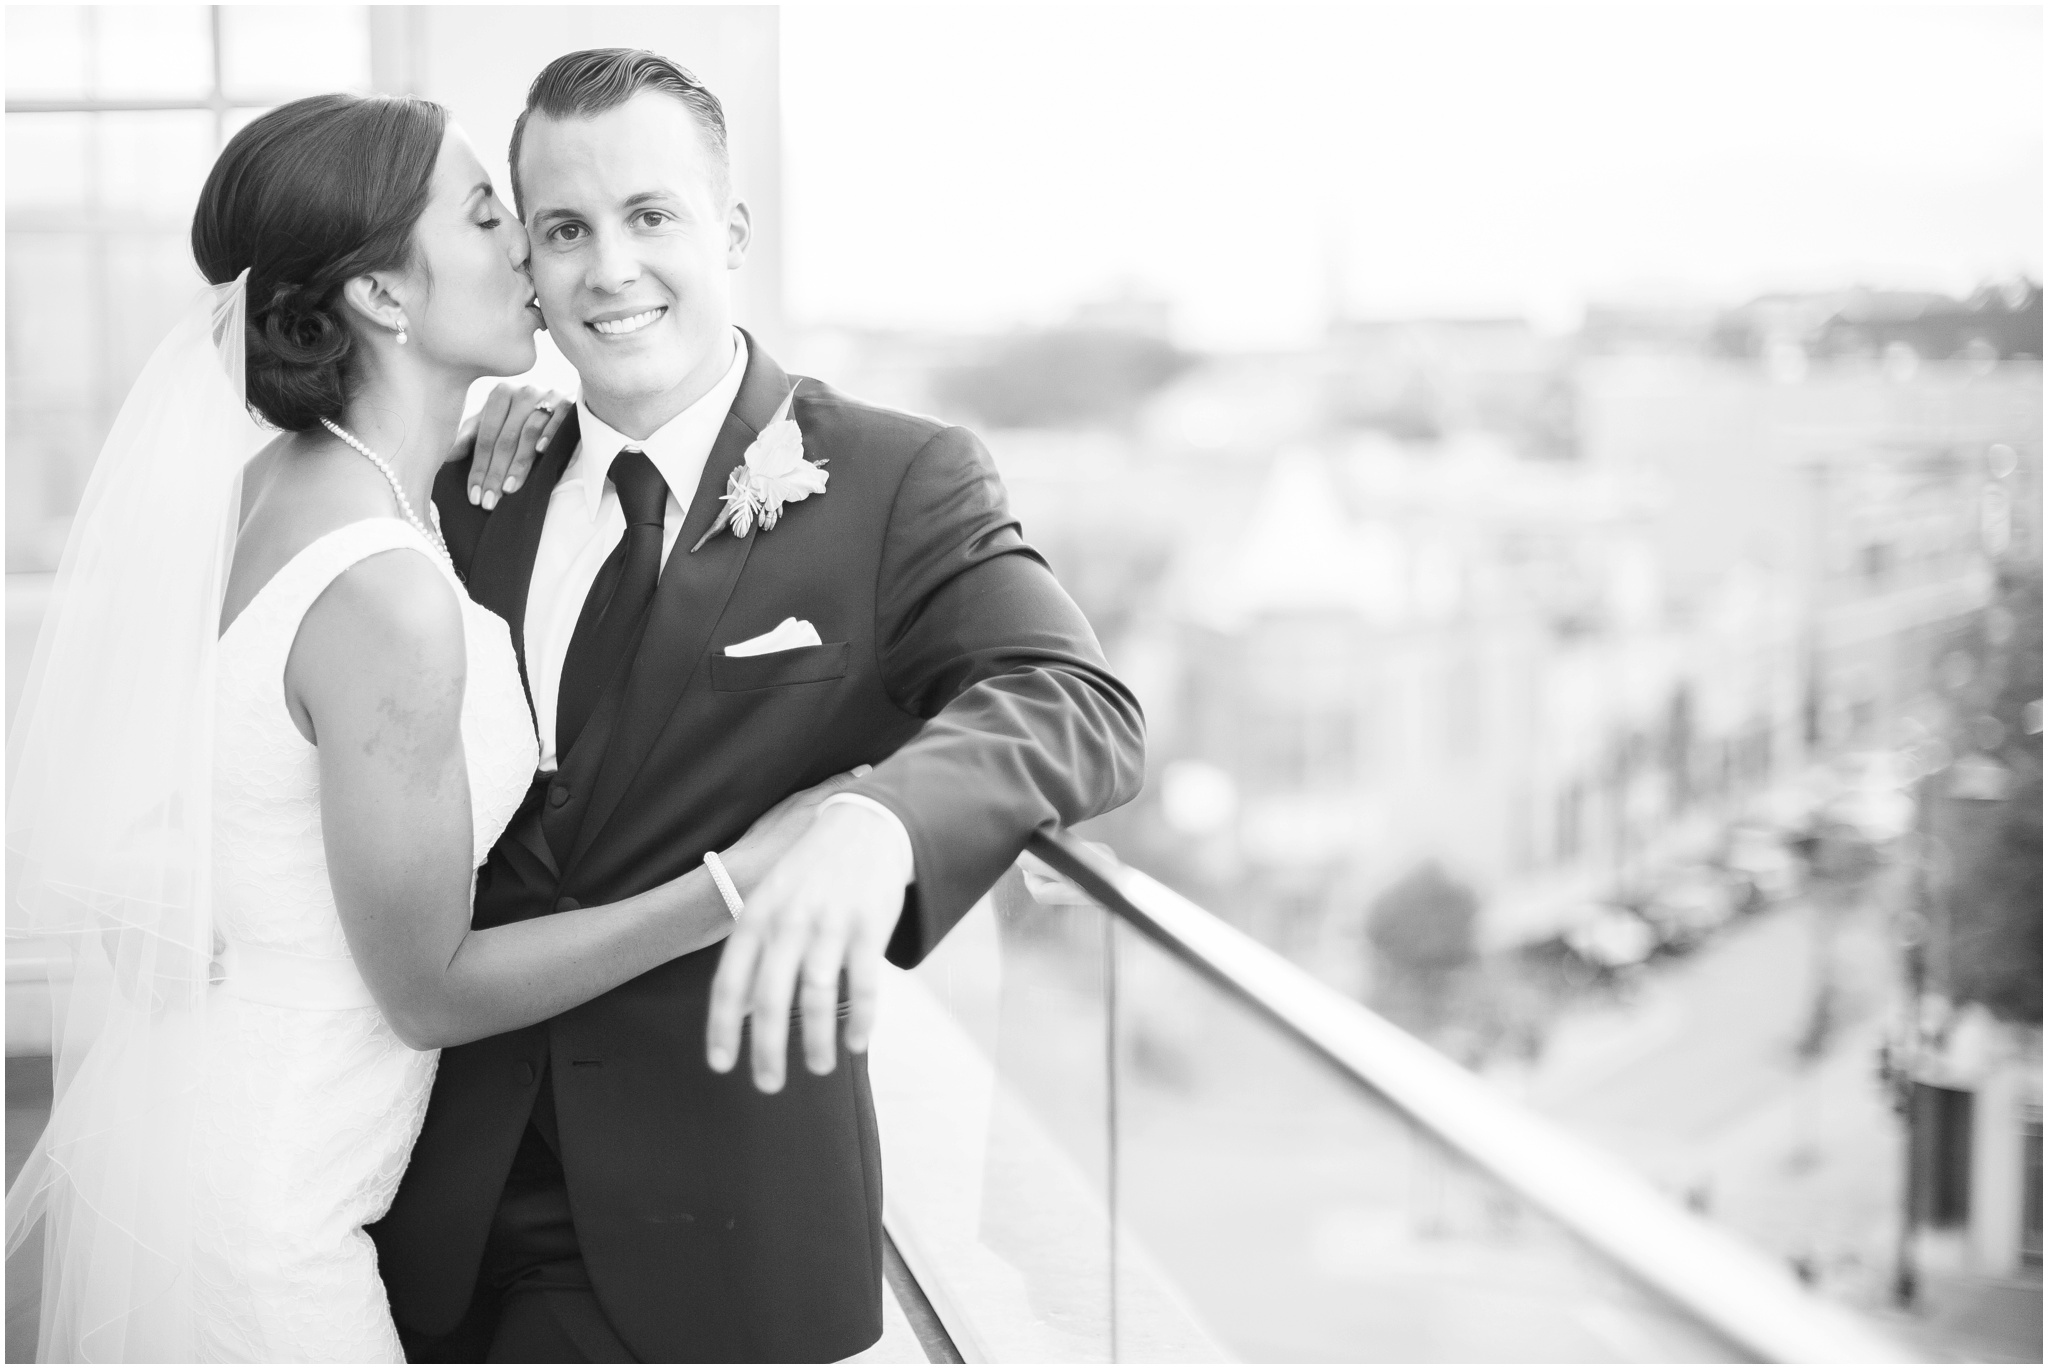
{"x":1426,"y":920}
{"x":1989,"y":810}
{"x":1424,"y":931}
{"x":1379,"y":393}
{"x":1550,"y":426}
{"x":1061,"y":378}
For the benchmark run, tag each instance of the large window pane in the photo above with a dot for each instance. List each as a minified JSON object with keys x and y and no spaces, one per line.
{"x":149,"y":280}
{"x":152,"y":165}
{"x":51,"y":315}
{"x":283,"y":50}
{"x":53,"y":380}
{"x":162,"y":51}
{"x":51,"y":351}
{"x":47,"y":57}
{"x":49,"y":163}
{"x":42,"y":488}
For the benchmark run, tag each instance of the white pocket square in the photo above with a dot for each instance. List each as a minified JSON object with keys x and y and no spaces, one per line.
{"x":786,"y":635}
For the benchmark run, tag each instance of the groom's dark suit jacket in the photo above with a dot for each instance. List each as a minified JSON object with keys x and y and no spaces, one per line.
{"x":717,"y":1222}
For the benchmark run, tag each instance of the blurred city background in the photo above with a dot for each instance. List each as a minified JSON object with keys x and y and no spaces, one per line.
{"x":1564,"y":483}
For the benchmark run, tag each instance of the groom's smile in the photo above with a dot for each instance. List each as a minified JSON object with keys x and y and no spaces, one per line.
{"x":623,"y":323}
{"x":635,"y":232}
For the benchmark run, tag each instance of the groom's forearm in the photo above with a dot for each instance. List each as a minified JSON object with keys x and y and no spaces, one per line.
{"x":1026,"y":726}
{"x":1034,"y":749}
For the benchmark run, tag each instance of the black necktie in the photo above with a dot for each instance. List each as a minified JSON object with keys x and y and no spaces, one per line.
{"x":610,"y":621}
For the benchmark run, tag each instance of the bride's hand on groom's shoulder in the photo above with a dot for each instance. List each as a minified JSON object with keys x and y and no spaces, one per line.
{"x":502,"y":440}
{"x":827,"y":908}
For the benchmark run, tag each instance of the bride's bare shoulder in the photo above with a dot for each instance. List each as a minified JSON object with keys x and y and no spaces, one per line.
{"x":386,"y":631}
{"x":257,"y":473}
{"x":293,"y":493}
{"x":395,"y":600}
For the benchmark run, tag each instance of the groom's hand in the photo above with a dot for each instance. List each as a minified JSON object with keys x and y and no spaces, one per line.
{"x":827,"y":907}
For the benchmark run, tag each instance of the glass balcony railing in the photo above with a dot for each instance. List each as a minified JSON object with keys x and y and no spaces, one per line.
{"x":1117,"y":1129}
{"x":1114,"y":1128}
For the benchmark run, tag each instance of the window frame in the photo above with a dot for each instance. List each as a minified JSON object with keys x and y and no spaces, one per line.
{"x":96,"y":229}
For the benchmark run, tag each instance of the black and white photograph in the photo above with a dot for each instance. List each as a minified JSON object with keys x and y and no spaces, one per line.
{"x":977,"y":683}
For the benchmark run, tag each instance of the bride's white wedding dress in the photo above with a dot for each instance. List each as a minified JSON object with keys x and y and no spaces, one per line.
{"x":310,"y":1104}
{"x":230,"y":1106}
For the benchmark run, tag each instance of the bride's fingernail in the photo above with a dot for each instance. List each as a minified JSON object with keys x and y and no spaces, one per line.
{"x":490,"y":500}
{"x":512,"y":481}
{"x":475,"y":494}
{"x":860,"y":770}
{"x":721,"y":1059}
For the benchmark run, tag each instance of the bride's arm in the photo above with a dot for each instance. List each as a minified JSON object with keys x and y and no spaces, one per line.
{"x":378,"y":672}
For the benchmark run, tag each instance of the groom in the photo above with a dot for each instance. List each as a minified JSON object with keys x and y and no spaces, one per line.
{"x":608,"y":1185}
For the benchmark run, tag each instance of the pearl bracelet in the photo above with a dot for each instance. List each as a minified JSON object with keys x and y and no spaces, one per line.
{"x":727,"y":890}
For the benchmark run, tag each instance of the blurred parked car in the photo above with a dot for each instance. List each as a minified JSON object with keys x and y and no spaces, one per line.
{"x":1790,"y":805}
{"x":1761,"y":867}
{"x":1873,"y":770}
{"x":1875,"y":801}
{"x":1876,"y":815}
{"x":1612,"y":939}
{"x":1688,"y":907}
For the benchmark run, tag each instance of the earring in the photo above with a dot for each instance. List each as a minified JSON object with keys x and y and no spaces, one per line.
{"x":401,"y":333}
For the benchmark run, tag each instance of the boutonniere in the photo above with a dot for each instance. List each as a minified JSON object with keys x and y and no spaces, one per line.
{"x":771,"y":473}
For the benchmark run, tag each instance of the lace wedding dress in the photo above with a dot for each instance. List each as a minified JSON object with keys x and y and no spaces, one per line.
{"x":310,"y":1103}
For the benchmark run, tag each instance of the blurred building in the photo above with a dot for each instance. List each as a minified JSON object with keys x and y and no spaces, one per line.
{"x":1551,"y":613}
{"x":1508,"y":697}
{"x":1421,"y":379}
{"x":1971,"y":1092}
{"x":1997,"y":322}
{"x":1966,"y":1057}
{"x":1875,"y":494}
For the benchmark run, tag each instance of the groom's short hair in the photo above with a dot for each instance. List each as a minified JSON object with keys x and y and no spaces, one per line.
{"x":582,"y":84}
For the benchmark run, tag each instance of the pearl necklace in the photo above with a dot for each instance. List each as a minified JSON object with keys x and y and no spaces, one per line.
{"x":432,"y":535}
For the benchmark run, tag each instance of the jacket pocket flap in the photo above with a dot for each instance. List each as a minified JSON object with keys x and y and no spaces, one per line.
{"x":798,"y":665}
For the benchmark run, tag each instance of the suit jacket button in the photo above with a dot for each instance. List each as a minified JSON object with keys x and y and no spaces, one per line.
{"x":566,"y":905}
{"x":526,"y":1074}
{"x":558,"y":794}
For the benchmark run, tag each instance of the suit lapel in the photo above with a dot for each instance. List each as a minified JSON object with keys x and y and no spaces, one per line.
{"x":501,"y":571}
{"x":500,"y":575}
{"x":688,"y":603}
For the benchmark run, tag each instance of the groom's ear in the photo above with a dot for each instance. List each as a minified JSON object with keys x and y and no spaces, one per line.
{"x":372,"y":300}
{"x":739,"y":234}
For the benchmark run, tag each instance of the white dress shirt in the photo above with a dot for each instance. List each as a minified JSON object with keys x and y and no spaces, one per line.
{"x":583,"y":525}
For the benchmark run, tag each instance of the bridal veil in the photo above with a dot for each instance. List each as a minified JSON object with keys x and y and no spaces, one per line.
{"x":109,"y":799}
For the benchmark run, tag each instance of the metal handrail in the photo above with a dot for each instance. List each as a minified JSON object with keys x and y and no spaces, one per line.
{"x":1719,"y":1283}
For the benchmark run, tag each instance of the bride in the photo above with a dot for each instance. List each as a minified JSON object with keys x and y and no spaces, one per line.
{"x":266,"y":742}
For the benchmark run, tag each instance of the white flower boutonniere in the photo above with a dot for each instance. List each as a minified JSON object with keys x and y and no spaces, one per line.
{"x":772,"y":473}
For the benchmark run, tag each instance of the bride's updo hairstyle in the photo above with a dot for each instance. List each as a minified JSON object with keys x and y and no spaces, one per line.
{"x":306,"y":198}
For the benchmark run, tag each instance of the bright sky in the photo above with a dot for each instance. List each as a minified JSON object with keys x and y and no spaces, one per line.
{"x":973,"y":166}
